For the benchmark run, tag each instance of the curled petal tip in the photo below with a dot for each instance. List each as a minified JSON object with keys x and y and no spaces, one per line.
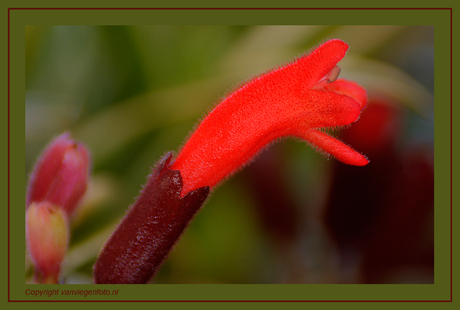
{"x":335,"y":147}
{"x":359,"y":160}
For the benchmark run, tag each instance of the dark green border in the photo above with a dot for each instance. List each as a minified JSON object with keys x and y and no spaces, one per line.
{"x":439,"y":18}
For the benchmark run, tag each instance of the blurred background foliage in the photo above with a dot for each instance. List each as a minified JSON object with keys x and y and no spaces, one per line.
{"x":132,"y":93}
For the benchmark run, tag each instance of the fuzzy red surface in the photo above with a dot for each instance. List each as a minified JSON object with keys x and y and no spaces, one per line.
{"x":288,"y":101}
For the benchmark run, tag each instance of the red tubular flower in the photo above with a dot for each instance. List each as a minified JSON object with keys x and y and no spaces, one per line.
{"x":60,"y":175}
{"x":294,"y":100}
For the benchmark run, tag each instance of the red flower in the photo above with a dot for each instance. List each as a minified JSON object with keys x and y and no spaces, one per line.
{"x":295,"y":100}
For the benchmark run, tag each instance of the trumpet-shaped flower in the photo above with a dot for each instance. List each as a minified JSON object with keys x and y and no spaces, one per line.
{"x":295,"y":100}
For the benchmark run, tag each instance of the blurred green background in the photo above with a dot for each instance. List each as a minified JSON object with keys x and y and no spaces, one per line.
{"x":133,"y":93}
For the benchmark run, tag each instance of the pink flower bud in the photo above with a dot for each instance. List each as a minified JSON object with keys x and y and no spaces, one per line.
{"x":47,"y":238}
{"x":60,"y":175}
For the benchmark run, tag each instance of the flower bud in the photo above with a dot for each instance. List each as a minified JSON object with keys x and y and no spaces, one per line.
{"x":60,"y":175}
{"x":47,"y":237}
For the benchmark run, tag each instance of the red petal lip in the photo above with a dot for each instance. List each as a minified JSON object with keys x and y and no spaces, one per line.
{"x":349,"y":88}
{"x":336,"y":148}
{"x":319,"y":63}
{"x":295,"y":97}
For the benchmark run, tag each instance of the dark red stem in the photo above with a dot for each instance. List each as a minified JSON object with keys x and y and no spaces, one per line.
{"x":149,"y":230}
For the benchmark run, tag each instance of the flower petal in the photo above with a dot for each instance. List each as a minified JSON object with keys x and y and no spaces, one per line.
{"x":336,"y":148}
{"x":349,"y":88}
{"x":276,"y":104}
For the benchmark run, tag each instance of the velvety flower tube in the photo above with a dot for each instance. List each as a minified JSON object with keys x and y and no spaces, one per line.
{"x":295,"y":100}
